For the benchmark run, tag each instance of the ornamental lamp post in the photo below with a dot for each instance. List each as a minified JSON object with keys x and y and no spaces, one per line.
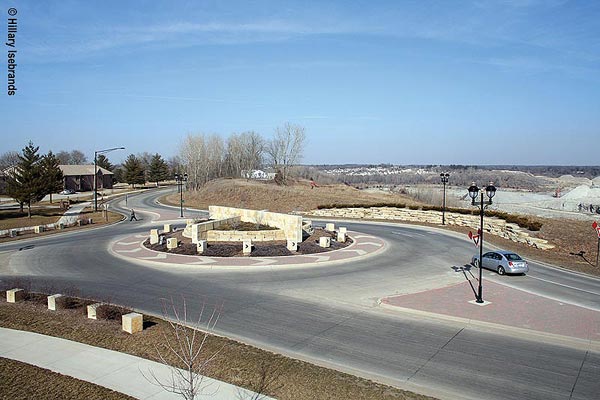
{"x":444,"y":176}
{"x":490,"y":191}
{"x":96,"y":172}
{"x":180,"y":179}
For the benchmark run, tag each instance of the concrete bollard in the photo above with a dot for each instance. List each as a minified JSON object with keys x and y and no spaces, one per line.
{"x":247,"y":246}
{"x":153,"y":236}
{"x":167,"y":228}
{"x":324,"y":241}
{"x":91,"y":310}
{"x":90,"y":221}
{"x":343,"y":230}
{"x":201,"y":246}
{"x":61,"y":226}
{"x":15,"y":295}
{"x":330,"y":226}
{"x":172,"y":243}
{"x":12,"y":233}
{"x":79,"y":222}
{"x":292,"y":245}
{"x":132,"y":322}
{"x":53,"y":304}
{"x":341,"y":237}
{"x":38,"y":229}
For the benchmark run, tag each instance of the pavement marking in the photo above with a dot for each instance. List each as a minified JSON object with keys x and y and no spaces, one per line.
{"x":364,"y":236}
{"x":320,"y":258}
{"x":358,"y":251}
{"x":563,"y":285}
{"x":159,"y":256}
{"x":128,"y":243}
{"x":130,"y":251}
{"x":264,"y":261}
{"x":371,"y":243}
{"x":140,"y":236}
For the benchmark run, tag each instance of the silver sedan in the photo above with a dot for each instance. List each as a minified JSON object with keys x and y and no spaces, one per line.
{"x":503,"y":262}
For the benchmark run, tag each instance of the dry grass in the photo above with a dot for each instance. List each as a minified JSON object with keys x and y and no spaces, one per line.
{"x":236,"y":363}
{"x":10,"y":219}
{"x":298,"y":196}
{"x":23,"y":381}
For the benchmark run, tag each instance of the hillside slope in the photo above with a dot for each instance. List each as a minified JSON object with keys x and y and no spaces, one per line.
{"x":297,"y":196}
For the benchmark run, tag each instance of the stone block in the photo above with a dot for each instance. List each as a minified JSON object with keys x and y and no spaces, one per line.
{"x":91,"y":310}
{"x":154,"y":236}
{"x":61,"y":226}
{"x":341,"y":237}
{"x":292,"y":245}
{"x":172,"y":243}
{"x":90,"y":221}
{"x":54,"y":302}
{"x":167,"y":228}
{"x":196,"y":231}
{"x":247,"y":246}
{"x":15,"y":295}
{"x":330,"y":226}
{"x":38,"y":229}
{"x":132,"y":322}
{"x":325,"y":241}
{"x":343,"y":230}
{"x":12,"y":233}
{"x":201,"y":246}
{"x":79,"y":222}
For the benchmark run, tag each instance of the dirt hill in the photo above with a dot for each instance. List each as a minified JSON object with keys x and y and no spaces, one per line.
{"x":296,"y":196}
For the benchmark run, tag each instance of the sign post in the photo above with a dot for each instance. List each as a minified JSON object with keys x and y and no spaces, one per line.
{"x":597,"y":228}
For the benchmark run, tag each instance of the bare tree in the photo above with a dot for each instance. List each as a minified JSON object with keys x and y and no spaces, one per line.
{"x":186,"y":345}
{"x":9,"y":159}
{"x":286,"y":147}
{"x":267,"y":380}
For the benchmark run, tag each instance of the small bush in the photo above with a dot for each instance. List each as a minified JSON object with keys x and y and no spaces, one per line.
{"x":108,"y":311}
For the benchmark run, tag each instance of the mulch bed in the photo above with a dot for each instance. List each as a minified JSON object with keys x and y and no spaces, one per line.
{"x":260,"y":249}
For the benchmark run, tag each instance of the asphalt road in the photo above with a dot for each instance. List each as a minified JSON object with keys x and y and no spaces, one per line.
{"x":329,"y":315}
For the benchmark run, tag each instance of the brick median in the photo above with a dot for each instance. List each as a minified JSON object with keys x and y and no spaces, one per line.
{"x":509,"y":306}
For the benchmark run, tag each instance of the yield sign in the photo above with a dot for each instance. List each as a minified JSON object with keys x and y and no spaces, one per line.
{"x":596,"y":227}
{"x":475,"y":238}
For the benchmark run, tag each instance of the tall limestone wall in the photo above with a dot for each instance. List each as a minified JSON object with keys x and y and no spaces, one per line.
{"x":493,"y":225}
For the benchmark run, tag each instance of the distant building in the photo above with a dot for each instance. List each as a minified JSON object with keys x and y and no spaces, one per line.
{"x":257,"y":174}
{"x":80,"y":178}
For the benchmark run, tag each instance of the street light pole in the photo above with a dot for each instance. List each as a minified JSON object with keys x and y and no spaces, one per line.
{"x":180,"y":179}
{"x":444,"y":177}
{"x":490,"y":191}
{"x":96,"y":172}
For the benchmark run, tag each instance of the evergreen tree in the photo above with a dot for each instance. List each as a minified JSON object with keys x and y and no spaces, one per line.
{"x":26,"y":182}
{"x":159,"y":169}
{"x":52,"y":174}
{"x":102,"y":161}
{"x":133,"y":170}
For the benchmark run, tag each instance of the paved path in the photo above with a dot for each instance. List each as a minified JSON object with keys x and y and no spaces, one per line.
{"x":117,"y":371}
{"x":509,"y":309}
{"x":72,"y":214}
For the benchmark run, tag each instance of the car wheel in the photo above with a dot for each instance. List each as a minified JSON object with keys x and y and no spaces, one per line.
{"x":501,"y":270}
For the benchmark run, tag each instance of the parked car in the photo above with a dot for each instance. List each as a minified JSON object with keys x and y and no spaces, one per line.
{"x":503,"y":262}
{"x":67,"y":191}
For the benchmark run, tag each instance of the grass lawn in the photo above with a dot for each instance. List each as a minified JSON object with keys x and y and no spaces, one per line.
{"x":10,"y":219}
{"x":235,"y":363}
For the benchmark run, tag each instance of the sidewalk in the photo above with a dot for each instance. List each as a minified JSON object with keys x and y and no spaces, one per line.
{"x":117,"y":371}
{"x":508,"y":309}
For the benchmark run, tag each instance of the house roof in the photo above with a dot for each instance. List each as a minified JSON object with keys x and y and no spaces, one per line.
{"x":70,"y":170}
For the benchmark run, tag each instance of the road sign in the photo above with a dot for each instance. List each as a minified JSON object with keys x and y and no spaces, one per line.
{"x":474,"y":238}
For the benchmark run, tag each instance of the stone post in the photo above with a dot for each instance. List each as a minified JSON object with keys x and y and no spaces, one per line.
{"x":53,"y":304}
{"x":247,"y":246}
{"x":13,"y":233}
{"x":292,"y":245}
{"x":91,"y":310}
{"x":15,"y":295}
{"x":195,"y":233}
{"x":38,"y":229}
{"x":325,"y":241}
{"x":201,"y":246}
{"x":153,"y":236}
{"x":167,"y":228}
{"x":341,"y":237}
{"x":330,"y":226}
{"x":132,"y":322}
{"x":343,"y":230}
{"x":172,"y":243}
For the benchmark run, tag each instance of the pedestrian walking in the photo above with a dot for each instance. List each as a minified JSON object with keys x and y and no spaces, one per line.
{"x":132,"y":216}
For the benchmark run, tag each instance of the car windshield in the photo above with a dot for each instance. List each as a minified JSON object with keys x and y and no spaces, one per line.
{"x":512,"y":257}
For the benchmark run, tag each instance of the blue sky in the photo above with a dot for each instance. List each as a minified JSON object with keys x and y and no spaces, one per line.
{"x":403,"y":82}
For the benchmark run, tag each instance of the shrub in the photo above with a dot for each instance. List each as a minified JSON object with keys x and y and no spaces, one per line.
{"x":108,"y":311}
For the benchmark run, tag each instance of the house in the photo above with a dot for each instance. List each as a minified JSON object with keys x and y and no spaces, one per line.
{"x":257,"y":174}
{"x":80,"y":178}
